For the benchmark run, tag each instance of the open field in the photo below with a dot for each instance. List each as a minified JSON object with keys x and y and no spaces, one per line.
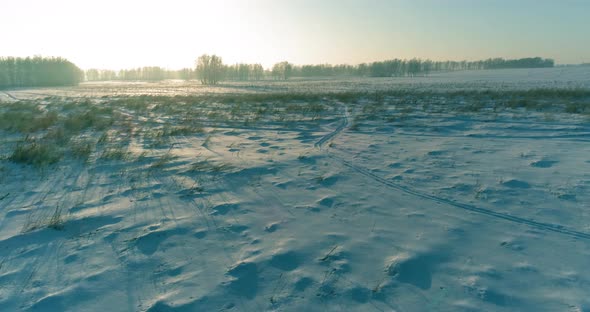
{"x":459,"y":192}
{"x":476,"y":80}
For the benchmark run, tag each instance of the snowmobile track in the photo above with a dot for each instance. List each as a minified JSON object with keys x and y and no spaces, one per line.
{"x":487,"y":212}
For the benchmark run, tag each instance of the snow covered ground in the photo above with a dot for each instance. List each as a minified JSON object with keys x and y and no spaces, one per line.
{"x":391,"y":203}
{"x":504,"y":79}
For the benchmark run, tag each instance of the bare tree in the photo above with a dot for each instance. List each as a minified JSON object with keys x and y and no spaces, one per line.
{"x":209,"y":69}
{"x":38,"y":71}
{"x":282,"y":70}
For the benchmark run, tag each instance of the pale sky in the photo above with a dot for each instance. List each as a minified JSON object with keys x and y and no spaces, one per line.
{"x":114,"y":34}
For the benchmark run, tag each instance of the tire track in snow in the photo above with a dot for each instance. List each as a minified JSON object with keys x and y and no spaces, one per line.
{"x":323,"y":140}
{"x":556,"y":228}
{"x":582,"y":137}
{"x":539,"y":225}
{"x":10,"y":95}
{"x":39,"y":94}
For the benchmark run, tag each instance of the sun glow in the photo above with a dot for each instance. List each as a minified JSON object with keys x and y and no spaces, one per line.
{"x":118,"y":34}
{"x":124,"y":34}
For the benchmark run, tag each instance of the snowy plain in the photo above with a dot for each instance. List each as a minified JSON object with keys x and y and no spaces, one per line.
{"x":250,"y":200}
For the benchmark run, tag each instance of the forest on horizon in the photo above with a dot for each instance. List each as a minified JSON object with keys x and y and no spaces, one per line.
{"x":39,"y":71}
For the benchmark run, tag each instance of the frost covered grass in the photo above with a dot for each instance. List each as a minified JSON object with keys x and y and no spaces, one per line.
{"x":53,"y":129}
{"x":25,"y":117}
{"x":35,"y":152}
{"x":206,"y":165}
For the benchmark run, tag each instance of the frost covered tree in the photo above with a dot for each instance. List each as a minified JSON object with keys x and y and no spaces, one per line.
{"x":256,"y":71}
{"x":282,"y":70}
{"x":38,"y":72}
{"x":209,"y":69}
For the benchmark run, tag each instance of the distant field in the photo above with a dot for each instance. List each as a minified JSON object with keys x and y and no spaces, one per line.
{"x":459,"y":191}
{"x":479,"y":80}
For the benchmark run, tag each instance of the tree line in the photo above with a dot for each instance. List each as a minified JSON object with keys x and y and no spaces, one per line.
{"x":16,"y":72}
{"x":150,"y":73}
{"x":414,"y":67}
{"x":236,"y":72}
{"x":390,"y":68}
{"x":210,"y":69}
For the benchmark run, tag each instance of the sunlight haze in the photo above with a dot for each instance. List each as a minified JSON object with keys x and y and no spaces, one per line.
{"x":122,"y":34}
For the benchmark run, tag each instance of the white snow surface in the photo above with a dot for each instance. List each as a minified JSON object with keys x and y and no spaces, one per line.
{"x":432,"y":212}
{"x":502,"y":79}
